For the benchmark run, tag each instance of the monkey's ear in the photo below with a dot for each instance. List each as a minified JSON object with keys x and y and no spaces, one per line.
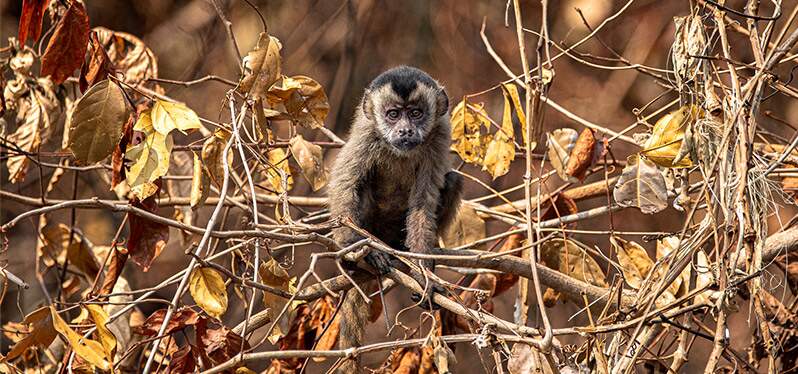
{"x":442,"y":102}
{"x":368,"y":106}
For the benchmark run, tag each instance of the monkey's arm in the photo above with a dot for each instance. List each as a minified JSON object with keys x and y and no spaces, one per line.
{"x":422,"y":220}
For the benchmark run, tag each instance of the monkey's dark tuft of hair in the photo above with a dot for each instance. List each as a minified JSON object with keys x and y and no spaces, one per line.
{"x":403,"y":79}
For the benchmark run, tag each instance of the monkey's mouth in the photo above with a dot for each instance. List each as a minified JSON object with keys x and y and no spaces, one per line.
{"x":405,"y":144}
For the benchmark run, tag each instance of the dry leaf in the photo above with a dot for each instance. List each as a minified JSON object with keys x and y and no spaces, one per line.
{"x":207,"y":288}
{"x":67,"y":46}
{"x":581,"y":156}
{"x":98,"y":66}
{"x":37,"y":112}
{"x":181,"y":319}
{"x":634,"y":260}
{"x":129,"y":55}
{"x":147,"y":238}
{"x":560,"y":143}
{"x":688,"y":43}
{"x":272,"y":274}
{"x":303,"y":98}
{"x":264,"y":65}
{"x":669,"y":144}
{"x":212,"y":153}
{"x":309,"y":157}
{"x":641,"y":185}
{"x":278,"y":172}
{"x":90,"y":350}
{"x":467,"y":227}
{"x":40,"y":334}
{"x":567,"y":257}
{"x":167,"y":116}
{"x":501,"y":150}
{"x":30,"y":21}
{"x":509,"y":89}
{"x":200,"y":183}
{"x":96,"y":125}
{"x":468,"y":122}
{"x":106,"y":338}
{"x":150,"y":158}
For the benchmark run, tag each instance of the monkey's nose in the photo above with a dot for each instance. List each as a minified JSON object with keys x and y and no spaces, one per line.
{"x":405,"y":132}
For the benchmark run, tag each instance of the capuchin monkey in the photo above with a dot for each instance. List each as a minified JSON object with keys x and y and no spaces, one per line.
{"x":393,"y":178}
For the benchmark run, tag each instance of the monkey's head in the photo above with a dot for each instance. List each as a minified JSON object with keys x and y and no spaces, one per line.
{"x":405,"y":105}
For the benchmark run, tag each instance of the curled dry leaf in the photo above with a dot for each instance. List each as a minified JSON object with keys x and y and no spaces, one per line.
{"x":272,"y":274}
{"x":303,"y":98}
{"x":150,"y":158}
{"x":129,"y":55}
{"x":218,"y":344}
{"x":167,"y":116}
{"x":98,"y":66}
{"x":212,"y":153}
{"x":509,"y":89}
{"x":30,"y":21}
{"x":467,"y":227}
{"x":468,"y":121}
{"x":40,"y":333}
{"x":37,"y":111}
{"x":184,"y":360}
{"x":560,"y":143}
{"x":501,"y":150}
{"x":67,"y":46}
{"x":581,"y":156}
{"x":641,"y":185}
{"x":207,"y":288}
{"x":442,"y":355}
{"x":688,"y":43}
{"x":263,"y":63}
{"x":310,"y":159}
{"x":670,"y":141}
{"x":96,"y":125}
{"x":200,"y":183}
{"x":90,"y":350}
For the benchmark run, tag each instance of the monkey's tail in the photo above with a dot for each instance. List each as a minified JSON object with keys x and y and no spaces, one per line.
{"x":354,"y":317}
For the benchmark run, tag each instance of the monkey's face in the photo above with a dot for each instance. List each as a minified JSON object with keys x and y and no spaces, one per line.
{"x":404,"y":119}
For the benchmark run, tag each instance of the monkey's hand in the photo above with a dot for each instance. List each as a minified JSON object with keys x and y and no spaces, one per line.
{"x":426,"y":300}
{"x":380,"y":261}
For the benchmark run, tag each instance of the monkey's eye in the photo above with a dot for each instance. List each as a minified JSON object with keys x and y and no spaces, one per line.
{"x":416,"y":113}
{"x":393,"y":114}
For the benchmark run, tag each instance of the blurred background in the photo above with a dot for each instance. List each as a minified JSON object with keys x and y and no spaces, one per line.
{"x":345,"y":44}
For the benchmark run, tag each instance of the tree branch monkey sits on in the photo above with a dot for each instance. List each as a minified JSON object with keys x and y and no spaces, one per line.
{"x":393,"y":178}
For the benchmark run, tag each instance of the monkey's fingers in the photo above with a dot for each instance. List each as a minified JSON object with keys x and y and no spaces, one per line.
{"x":426,"y":301}
{"x":380,"y":261}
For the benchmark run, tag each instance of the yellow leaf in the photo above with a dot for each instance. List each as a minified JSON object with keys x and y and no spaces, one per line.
{"x":668,"y":147}
{"x":467,"y":123}
{"x":501,"y":150}
{"x":167,"y":116}
{"x":200,"y":183}
{"x":150,"y":157}
{"x":208,"y":290}
{"x":309,"y":158}
{"x":107,"y":339}
{"x":509,"y":89}
{"x":278,"y":170}
{"x":90,"y":350}
{"x":264,"y":65}
{"x":634,"y":261}
{"x":41,"y":333}
{"x":145,"y":190}
{"x":272,"y":274}
{"x":303,"y":98}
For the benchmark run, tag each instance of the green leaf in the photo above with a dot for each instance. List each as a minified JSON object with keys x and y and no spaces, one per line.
{"x":168,"y":116}
{"x":96,"y":125}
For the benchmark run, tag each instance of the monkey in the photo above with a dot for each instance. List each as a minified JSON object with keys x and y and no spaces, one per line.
{"x":393,"y":178}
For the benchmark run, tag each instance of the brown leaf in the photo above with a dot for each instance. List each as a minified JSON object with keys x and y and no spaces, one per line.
{"x":97,"y":122}
{"x":641,"y":185}
{"x":184,"y":361}
{"x":113,"y":270}
{"x":56,"y":238}
{"x":467,"y":227}
{"x":40,"y":333}
{"x":147,"y":238}
{"x":303,"y":98}
{"x":180,"y":319}
{"x":581,"y":156}
{"x":567,"y":257}
{"x":264,"y":63}
{"x":527,"y":359}
{"x":560,"y":143}
{"x":98,"y":66}
{"x":36,"y":115}
{"x":792,"y":277}
{"x":67,"y":47}
{"x":30,"y":21}
{"x":212,"y":153}
{"x":405,"y":360}
{"x":560,"y":206}
{"x":129,"y":56}
{"x":219,"y":343}
{"x":310,"y":159}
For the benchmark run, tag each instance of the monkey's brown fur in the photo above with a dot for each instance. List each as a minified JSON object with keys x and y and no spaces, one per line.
{"x":403,"y":197}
